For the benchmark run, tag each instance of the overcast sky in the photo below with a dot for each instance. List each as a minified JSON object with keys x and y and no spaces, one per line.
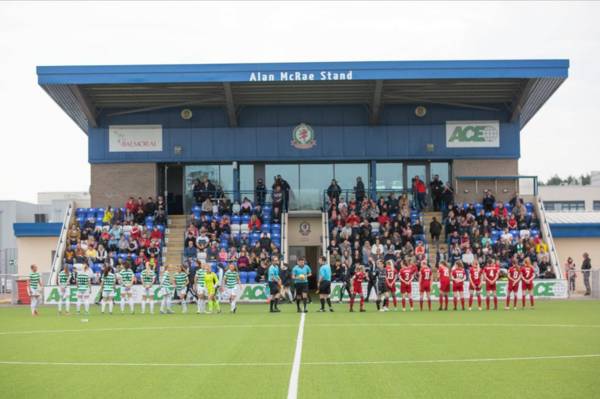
{"x":41,"y":149}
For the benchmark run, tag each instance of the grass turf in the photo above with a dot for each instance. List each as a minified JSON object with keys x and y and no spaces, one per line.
{"x":255,"y":349}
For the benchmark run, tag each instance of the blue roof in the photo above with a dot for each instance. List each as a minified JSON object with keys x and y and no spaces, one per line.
{"x":525,"y":85}
{"x":37,"y":229}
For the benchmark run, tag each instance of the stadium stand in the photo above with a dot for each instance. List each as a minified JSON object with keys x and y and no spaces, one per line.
{"x":114,"y":237}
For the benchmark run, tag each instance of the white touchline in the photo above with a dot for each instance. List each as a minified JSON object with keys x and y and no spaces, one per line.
{"x":433,"y":361}
{"x":279,"y":364}
{"x":208,"y":326}
{"x":295,"y":374}
{"x":454,"y":325}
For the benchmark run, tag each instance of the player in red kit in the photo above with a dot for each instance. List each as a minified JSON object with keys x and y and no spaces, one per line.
{"x":444,"y":280}
{"x":406,"y":274}
{"x":514,"y":276}
{"x":390,"y":282}
{"x":491,"y":272}
{"x":357,"y":289}
{"x":458,"y":284}
{"x":425,"y":285}
{"x":527,"y":276}
{"x":475,"y":284}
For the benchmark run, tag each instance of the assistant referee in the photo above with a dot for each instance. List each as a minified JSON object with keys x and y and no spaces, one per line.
{"x":324,"y":283}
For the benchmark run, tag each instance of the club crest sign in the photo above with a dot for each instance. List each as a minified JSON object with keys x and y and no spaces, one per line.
{"x":304,"y":228}
{"x":303,"y":137}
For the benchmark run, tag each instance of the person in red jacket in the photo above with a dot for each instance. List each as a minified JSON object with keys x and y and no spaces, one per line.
{"x":419,"y":190}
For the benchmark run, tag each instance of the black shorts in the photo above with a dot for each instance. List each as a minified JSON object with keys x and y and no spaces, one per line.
{"x":274,"y":287}
{"x":325,"y":287}
{"x":382,"y":288}
{"x":301,"y":288}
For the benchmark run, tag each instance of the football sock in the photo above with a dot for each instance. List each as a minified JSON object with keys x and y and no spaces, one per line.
{"x":470,"y":300}
{"x":429,"y":302}
{"x":531,"y":300}
{"x":329,"y":302}
{"x":322,"y":303}
{"x":298,"y":304}
{"x":421,"y":303}
{"x":86,"y":306}
{"x":122,"y":304}
{"x":395,"y":301}
{"x":479,"y":300}
{"x":462,"y":303}
{"x":403,"y":303}
{"x":304,"y":302}
{"x":143,"y":305}
{"x":515,"y":301}
{"x":508,"y":300}
{"x":455,"y":300}
{"x":410,"y":301}
{"x":378,"y":304}
{"x":495,"y":302}
{"x":102,"y":305}
{"x":131,"y":305}
{"x":523,"y":300}
{"x":183,"y":306}
{"x":110,"y":306}
{"x":151,"y":305}
{"x":362,"y":302}
{"x":487,"y":302}
{"x":351,"y":302}
{"x":217,"y":305}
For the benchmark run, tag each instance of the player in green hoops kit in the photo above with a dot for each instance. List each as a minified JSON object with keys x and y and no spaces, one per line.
{"x":166,"y":289}
{"x":231,"y":286}
{"x":148,"y":278}
{"x":33,"y":288}
{"x":201,"y":292}
{"x":83,"y":289}
{"x":63,"y":289}
{"x":127,"y":280}
{"x":108,"y":289}
{"x":181,"y":282}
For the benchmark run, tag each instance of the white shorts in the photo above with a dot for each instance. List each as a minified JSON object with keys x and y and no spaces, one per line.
{"x":126,"y":290}
{"x":228,"y":292}
{"x":83,"y":294}
{"x":108,"y":294}
{"x":166,"y":292}
{"x":181,"y":292}
{"x":147,"y":292}
{"x":201,"y":291}
{"x":64,"y":291}
{"x":34,"y":292}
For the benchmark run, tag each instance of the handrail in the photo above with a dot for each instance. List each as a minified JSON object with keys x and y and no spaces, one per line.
{"x":60,"y":246}
{"x":284,"y":237}
{"x":547,"y":232}
{"x":325,"y":237}
{"x":348,"y":194}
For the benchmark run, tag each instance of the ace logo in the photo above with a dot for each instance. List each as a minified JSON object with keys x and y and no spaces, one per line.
{"x":472,"y":134}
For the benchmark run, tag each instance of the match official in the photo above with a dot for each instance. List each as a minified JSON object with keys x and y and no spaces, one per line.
{"x":324,"y":283}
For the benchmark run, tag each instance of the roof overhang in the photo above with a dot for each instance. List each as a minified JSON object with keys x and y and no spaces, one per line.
{"x":518,"y":86}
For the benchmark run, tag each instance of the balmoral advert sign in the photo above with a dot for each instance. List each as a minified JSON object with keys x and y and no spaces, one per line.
{"x":135,"y":138}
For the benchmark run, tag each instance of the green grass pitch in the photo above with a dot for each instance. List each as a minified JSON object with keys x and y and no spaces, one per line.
{"x":550,"y":352}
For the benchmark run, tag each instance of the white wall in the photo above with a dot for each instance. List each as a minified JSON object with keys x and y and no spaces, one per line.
{"x":589,"y":194}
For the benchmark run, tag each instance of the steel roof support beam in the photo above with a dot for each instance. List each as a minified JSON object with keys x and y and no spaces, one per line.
{"x":86,"y":105}
{"x":519,"y":100}
{"x":376,"y":103}
{"x":230,"y":104}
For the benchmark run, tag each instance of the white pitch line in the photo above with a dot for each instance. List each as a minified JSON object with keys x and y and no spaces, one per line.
{"x":454,"y":325}
{"x":295,"y":374}
{"x":434,"y":361}
{"x":279,"y":364}
{"x":117,"y":364}
{"x":208,"y":326}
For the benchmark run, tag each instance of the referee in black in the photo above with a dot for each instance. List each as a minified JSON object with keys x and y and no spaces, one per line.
{"x":324,"y":283}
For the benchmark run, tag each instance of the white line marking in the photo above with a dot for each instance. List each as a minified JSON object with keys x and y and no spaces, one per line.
{"x":97,"y":364}
{"x":279,"y":364}
{"x":295,"y":374}
{"x":452,"y":325}
{"x":434,"y":361}
{"x":208,"y":326}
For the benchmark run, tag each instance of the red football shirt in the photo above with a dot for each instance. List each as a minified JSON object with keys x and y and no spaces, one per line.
{"x":492,"y":272}
{"x":475,"y":274}
{"x":407,"y":273}
{"x":444,"y":274}
{"x":514,"y":273}
{"x":359,"y":277}
{"x":527,"y":272}
{"x":458,"y":273}
{"x":390,"y":275}
{"x":425,"y":273}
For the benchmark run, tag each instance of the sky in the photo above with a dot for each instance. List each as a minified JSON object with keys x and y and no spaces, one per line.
{"x":41,"y":149}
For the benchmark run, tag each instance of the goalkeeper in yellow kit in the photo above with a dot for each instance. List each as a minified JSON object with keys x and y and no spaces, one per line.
{"x":211,"y":281}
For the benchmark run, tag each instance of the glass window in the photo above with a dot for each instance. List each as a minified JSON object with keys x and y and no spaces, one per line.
{"x":389,"y":176}
{"x":314,"y":178}
{"x":288,"y":172}
{"x":597,"y":206}
{"x":565,"y":206}
{"x":346,"y":174}
{"x":440,"y":168}
{"x":219,"y":175}
{"x":247,"y":183}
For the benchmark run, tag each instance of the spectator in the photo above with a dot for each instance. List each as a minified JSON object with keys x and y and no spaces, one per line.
{"x":149,"y":207}
{"x":437,"y":189}
{"x":435,"y":229}
{"x":277,"y":197}
{"x":488,"y":201}
{"x":260,"y":192}
{"x":108,"y":216}
{"x":419,"y":191}
{"x":586,"y":267}
{"x":359,"y":190}
{"x":190,"y":252}
{"x":284,"y":188}
{"x":571,"y":273}
{"x":334,"y":191}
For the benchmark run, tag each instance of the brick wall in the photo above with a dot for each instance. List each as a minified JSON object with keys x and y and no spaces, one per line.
{"x":113,"y":184}
{"x":477,"y":167}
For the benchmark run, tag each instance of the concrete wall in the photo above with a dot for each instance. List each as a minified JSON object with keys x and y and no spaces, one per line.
{"x":489,"y":167}
{"x":575,"y":247}
{"x":113,"y":184}
{"x":304,"y":238}
{"x":35,"y":250}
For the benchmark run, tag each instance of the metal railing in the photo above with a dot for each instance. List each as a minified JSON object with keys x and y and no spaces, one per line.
{"x":547,"y":236}
{"x":524,"y":185}
{"x":62,"y":241}
{"x":348,"y":195}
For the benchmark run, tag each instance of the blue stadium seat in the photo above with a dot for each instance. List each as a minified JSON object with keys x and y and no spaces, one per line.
{"x":243,"y":277}
{"x":251,"y":277}
{"x":217,"y":218}
{"x":529,"y":206}
{"x":235,"y":219}
{"x":245,"y":219}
